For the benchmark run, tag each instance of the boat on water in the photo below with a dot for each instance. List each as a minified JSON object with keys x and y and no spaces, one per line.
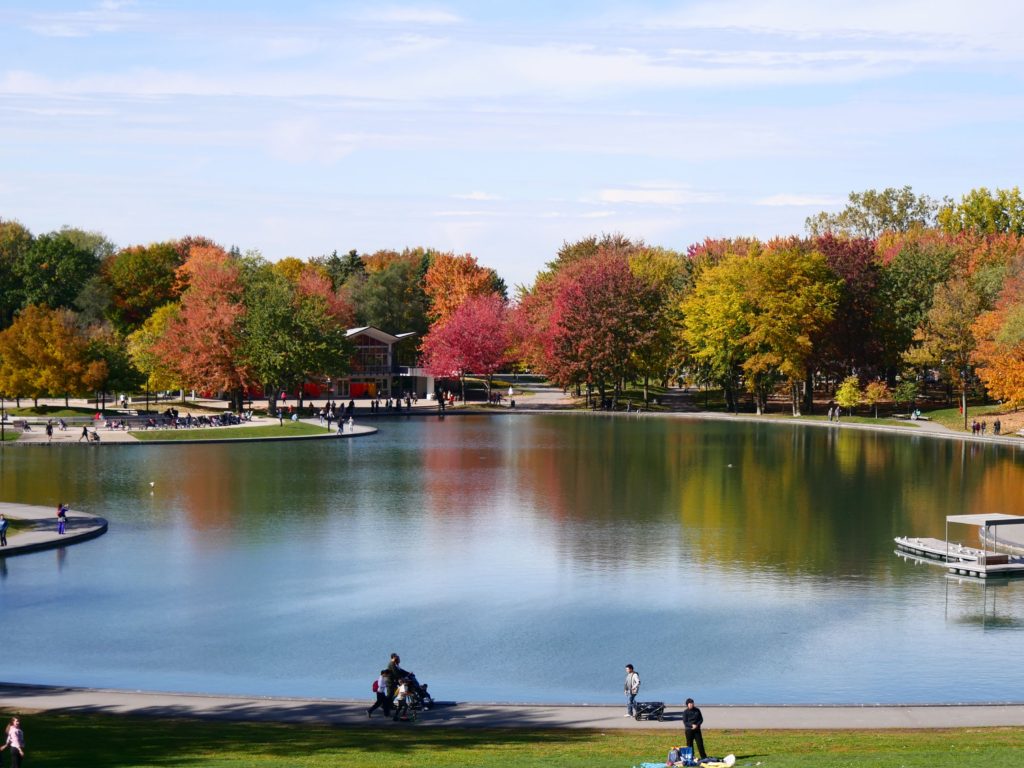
{"x":984,"y":562}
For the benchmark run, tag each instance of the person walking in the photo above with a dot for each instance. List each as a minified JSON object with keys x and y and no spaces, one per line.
{"x":692,"y":721}
{"x":16,"y":741}
{"x":3,"y":530}
{"x":62,"y":518}
{"x":631,"y":688}
{"x":84,"y":435}
{"x":382,"y":687}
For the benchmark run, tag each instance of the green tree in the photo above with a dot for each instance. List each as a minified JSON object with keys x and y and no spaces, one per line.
{"x":289,"y":335}
{"x":905,"y":391}
{"x":870,"y":213}
{"x":392,"y":298}
{"x":946,"y":339}
{"x":912,"y":266}
{"x":54,"y":269}
{"x":849,"y":395}
{"x":15,"y":242}
{"x":984,"y":212}
{"x":341,"y":269}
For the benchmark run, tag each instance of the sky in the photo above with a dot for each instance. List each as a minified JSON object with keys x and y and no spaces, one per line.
{"x":500,"y":129}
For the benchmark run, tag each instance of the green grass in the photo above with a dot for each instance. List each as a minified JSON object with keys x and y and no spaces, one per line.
{"x":953,"y":419}
{"x":10,"y":434}
{"x":52,"y":410}
{"x":288,"y":429}
{"x":105,"y":741}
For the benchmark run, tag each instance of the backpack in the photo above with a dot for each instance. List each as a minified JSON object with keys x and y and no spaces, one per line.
{"x":376,"y":686}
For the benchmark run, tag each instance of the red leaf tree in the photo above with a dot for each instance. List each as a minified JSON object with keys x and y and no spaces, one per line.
{"x":475,"y":338}
{"x":202,"y":342}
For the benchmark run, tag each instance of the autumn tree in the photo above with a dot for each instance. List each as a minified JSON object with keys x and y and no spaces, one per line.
{"x":999,"y":354}
{"x":158,"y":374}
{"x":870,"y":213}
{"x":876,"y":392}
{"x":665,"y":271}
{"x":474,"y":338}
{"x":602,"y":311}
{"x":451,"y":279}
{"x":849,"y":394}
{"x":202,"y":342}
{"x":43,"y":353}
{"x":715,"y":324}
{"x":142,"y":278}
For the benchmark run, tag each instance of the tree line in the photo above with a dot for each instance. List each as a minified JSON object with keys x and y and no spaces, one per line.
{"x":894,"y":288}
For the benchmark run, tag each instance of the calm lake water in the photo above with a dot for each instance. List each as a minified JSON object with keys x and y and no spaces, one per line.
{"x":520,"y":558}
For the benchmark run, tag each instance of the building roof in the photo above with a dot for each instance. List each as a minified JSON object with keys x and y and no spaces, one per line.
{"x":993,"y":518}
{"x":378,"y":334}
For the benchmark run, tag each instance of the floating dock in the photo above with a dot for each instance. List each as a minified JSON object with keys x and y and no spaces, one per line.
{"x":980,"y":563}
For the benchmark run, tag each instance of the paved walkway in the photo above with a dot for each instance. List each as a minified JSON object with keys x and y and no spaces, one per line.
{"x":19,"y":698}
{"x":40,"y":530}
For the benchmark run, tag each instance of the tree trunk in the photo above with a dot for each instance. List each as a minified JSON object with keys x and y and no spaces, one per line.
{"x":647,"y":379}
{"x":65,"y":399}
{"x":809,"y":392}
{"x":963,"y":404}
{"x":462,"y":380}
{"x":795,"y":394}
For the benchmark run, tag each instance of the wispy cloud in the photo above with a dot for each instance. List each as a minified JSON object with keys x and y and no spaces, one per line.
{"x":783,"y":200}
{"x":477,"y":195}
{"x":107,"y":16}
{"x":656,"y":193}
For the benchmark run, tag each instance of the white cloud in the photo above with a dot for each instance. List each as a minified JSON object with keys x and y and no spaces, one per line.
{"x":655,"y":193}
{"x":107,"y":16}
{"x":477,"y":195}
{"x":783,"y":199}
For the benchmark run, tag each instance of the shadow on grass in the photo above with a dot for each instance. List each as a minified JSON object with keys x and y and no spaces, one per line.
{"x":83,"y":737}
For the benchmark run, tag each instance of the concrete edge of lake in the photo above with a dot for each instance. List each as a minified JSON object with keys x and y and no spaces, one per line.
{"x":16,"y":697}
{"x":42,"y":533}
{"x":127,"y":438}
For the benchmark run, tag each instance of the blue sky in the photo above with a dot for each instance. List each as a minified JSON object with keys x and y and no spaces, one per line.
{"x":498,"y":129}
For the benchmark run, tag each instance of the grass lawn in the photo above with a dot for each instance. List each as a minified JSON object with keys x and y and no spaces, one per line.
{"x":953,"y":419}
{"x":104,"y":741}
{"x":54,"y":411}
{"x":10,"y":434}
{"x":288,"y":429}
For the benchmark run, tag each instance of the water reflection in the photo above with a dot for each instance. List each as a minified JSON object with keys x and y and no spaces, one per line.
{"x":556,"y":545}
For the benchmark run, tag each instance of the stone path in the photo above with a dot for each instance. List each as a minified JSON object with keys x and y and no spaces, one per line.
{"x":40,"y":529}
{"x":32,"y":698}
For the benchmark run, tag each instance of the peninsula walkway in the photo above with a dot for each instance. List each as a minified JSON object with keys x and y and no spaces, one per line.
{"x":34,"y":528}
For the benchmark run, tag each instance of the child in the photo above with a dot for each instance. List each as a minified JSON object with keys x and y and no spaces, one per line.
{"x":402,"y":700}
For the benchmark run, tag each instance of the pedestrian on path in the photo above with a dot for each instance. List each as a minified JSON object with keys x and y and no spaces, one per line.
{"x":631,"y":688}
{"x":692,"y":721}
{"x":3,"y":530}
{"x":382,"y":687}
{"x":84,"y":435}
{"x":15,"y":739}
{"x":62,"y":518}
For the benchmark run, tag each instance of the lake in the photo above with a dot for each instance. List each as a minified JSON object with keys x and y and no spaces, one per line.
{"x":521,"y":558}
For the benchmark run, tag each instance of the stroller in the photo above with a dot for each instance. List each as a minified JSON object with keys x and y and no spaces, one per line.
{"x":419,"y":698}
{"x":651,"y":710}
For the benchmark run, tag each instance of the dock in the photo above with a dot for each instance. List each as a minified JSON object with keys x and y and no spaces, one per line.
{"x":979,"y":563}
